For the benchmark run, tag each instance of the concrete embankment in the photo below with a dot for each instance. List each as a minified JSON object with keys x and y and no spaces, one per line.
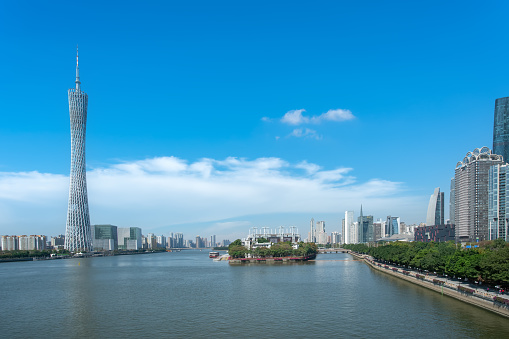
{"x":476,"y":298}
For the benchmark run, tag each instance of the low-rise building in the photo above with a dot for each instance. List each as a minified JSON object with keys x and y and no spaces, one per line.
{"x":437,"y":233}
{"x":104,"y":237}
{"x":129,"y":238}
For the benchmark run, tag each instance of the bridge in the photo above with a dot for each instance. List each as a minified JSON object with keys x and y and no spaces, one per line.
{"x":332,"y":250}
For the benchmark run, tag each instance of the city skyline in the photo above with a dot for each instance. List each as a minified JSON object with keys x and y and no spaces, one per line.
{"x":211,"y":119}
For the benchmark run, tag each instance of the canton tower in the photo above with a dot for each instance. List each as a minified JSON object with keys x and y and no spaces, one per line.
{"x":77,"y":229}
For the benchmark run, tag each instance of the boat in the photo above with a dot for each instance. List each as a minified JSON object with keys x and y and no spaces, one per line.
{"x":213,"y":254}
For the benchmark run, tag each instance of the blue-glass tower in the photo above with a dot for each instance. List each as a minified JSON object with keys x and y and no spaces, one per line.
{"x":77,"y":230}
{"x":501,"y":128}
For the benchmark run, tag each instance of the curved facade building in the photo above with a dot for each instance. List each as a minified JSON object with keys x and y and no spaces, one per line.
{"x":471,"y":194}
{"x":435,"y":214}
{"x":501,"y":128}
{"x":78,"y":236}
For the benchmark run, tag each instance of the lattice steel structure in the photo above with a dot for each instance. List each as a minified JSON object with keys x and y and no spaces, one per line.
{"x":77,"y":230}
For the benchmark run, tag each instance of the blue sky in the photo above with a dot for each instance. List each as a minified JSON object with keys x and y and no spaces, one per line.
{"x":186,"y":129}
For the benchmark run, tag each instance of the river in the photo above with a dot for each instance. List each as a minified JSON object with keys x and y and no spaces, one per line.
{"x":187,"y":295}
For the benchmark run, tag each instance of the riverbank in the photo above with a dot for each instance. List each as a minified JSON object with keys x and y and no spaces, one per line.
{"x":276,"y":260}
{"x":477,"y":297}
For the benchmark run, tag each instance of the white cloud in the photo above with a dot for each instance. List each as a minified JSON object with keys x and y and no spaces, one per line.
{"x":308,"y":167}
{"x":334,"y":115}
{"x":295,"y":117}
{"x":305,"y":133}
{"x":164,"y":191}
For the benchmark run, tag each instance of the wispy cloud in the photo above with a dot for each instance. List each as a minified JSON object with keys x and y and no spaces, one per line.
{"x":165,"y":191}
{"x":308,"y":167}
{"x":305,"y":133}
{"x":295,"y":117}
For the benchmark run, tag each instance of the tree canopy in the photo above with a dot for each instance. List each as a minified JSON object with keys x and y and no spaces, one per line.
{"x":282,"y":249}
{"x":487,"y":263}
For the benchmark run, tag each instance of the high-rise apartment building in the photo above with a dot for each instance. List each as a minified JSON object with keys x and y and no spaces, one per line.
{"x":435,"y":214}
{"x":501,"y":128}
{"x":498,"y":202}
{"x":179,"y":240}
{"x":377,"y":230}
{"x":10,"y":243}
{"x":354,"y":233}
{"x":335,"y":238}
{"x":471,"y":178}
{"x":321,"y":235}
{"x":161,"y":241}
{"x":312,"y":232}
{"x":347,"y":232}
{"x":77,"y":230}
{"x":31,"y":242}
{"x":23,"y":242}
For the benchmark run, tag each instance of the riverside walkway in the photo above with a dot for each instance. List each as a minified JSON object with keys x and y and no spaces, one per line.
{"x":475,"y":295}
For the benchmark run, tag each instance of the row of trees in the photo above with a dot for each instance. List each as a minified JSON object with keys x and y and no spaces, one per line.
{"x":282,"y":249}
{"x":29,"y":254}
{"x":488,"y":263}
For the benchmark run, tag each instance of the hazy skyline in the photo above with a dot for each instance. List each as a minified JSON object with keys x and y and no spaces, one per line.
{"x":213,"y":117}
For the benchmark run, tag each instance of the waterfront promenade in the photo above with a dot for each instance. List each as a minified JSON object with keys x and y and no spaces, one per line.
{"x":464,"y":291}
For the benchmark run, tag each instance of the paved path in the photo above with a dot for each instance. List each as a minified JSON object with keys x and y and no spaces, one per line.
{"x":479,"y":296}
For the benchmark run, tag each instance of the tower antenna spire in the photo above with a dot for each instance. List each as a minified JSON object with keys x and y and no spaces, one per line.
{"x":77,"y":71}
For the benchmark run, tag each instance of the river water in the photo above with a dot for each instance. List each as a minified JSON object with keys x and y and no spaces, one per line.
{"x":187,"y":295}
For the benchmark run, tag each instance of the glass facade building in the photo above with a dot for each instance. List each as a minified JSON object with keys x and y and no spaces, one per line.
{"x":104,"y":237}
{"x":365,"y":228}
{"x":501,"y":128}
{"x":498,"y":205}
{"x":435,"y":214}
{"x":392,"y":226}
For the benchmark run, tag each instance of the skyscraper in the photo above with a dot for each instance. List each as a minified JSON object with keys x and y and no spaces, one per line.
{"x":321,"y":235}
{"x":347,"y":232}
{"x":312,"y":232}
{"x":435,"y":214}
{"x":452,"y":202}
{"x":498,"y":207}
{"x":392,"y":226}
{"x":471,"y":194}
{"x":501,"y":128}
{"x":365,"y":228}
{"x":77,"y":229}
